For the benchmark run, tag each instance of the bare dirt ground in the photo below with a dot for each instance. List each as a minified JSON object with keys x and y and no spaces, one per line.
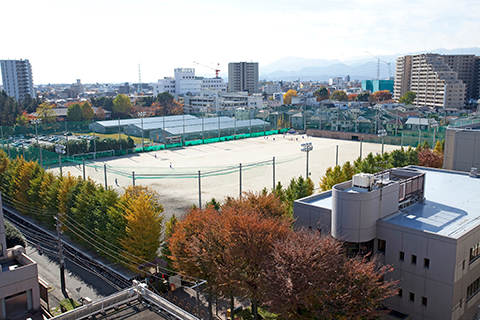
{"x":178,"y":192}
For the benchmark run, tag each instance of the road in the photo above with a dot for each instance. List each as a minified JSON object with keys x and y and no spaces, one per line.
{"x":79,"y":282}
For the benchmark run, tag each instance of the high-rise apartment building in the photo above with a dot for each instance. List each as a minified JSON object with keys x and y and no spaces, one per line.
{"x":243,"y":76}
{"x":17,"y":78}
{"x":440,"y":81}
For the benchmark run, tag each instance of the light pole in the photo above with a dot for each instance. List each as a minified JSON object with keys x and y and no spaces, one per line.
{"x":434,"y":125}
{"x":307,"y":147}
{"x":36,"y":121}
{"x":382,"y":134}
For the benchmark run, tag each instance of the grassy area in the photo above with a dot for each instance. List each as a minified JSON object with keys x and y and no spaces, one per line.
{"x":68,"y":304}
{"x":246,"y":314}
{"x":114,"y":136}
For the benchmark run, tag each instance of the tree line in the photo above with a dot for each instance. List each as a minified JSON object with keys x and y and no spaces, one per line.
{"x":246,"y":248}
{"x":423,"y":156}
{"x":124,"y":228}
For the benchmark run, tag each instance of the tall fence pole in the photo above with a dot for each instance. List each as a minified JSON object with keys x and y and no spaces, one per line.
{"x":60,"y":257}
{"x":133,"y":177}
{"x":361,"y":150}
{"x":1,"y":128}
{"x":218,"y":127}
{"x":402,"y":140}
{"x":66,"y":135}
{"x":274,"y":173}
{"x":199,"y":190}
{"x":83,"y":162}
{"x":336,"y":156}
{"x":8,"y":147}
{"x":119,"y":134}
{"x":105,"y":171}
{"x":240,"y":180}
{"x":60,"y":162}
{"x":94,"y":142}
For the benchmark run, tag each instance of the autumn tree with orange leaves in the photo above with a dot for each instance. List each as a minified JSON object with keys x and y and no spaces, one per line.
{"x":310,"y":277}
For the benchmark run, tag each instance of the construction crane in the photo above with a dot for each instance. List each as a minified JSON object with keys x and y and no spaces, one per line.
{"x":217,"y":70}
{"x":378,"y":65}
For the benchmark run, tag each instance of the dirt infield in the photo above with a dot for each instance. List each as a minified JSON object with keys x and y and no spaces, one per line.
{"x":178,"y":192}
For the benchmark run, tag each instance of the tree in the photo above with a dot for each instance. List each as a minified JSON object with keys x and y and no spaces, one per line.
{"x":22,"y":119}
{"x":122,"y":104}
{"x":264,"y":203}
{"x":438,"y":148}
{"x":169,"y":230}
{"x":74,"y":112}
{"x":105,"y":102}
{"x":100,"y":114}
{"x":339,"y":96}
{"x":352,"y":97}
{"x":144,"y":225}
{"x":45,"y":113}
{"x":363,"y":97}
{"x":428,"y":158}
{"x":13,"y":236}
{"x":310,"y":277}
{"x":382,"y":95}
{"x":287,"y":97}
{"x":322,"y":94}
{"x":331,"y":178}
{"x":87,"y":111}
{"x":408,"y":97}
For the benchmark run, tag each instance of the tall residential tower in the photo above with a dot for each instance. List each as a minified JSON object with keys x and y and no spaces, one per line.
{"x":17,"y":78}
{"x":243,"y":76}
{"x":440,"y":81}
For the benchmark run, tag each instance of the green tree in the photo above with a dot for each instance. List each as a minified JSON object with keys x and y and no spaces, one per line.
{"x":22,"y":119}
{"x":363,"y":97}
{"x":321,"y":94}
{"x":13,"y":236}
{"x":122,"y":105}
{"x":87,"y":111}
{"x":169,"y":230}
{"x":408,"y":97}
{"x":339,"y":96}
{"x":74,"y":112}
{"x":45,"y":113}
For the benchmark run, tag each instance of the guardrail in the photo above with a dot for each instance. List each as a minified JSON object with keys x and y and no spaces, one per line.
{"x":411,"y":187}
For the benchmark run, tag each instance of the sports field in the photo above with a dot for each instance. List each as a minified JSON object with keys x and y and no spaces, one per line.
{"x":218,"y":163}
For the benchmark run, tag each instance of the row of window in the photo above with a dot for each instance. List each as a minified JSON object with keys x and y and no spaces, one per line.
{"x":473,"y":288}
{"x":413,"y":260}
{"x":412,"y":297}
{"x":474,"y":252}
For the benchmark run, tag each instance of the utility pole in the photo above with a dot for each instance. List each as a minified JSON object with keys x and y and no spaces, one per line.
{"x":62,"y":261}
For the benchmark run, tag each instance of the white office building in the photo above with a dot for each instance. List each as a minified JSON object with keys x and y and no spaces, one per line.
{"x":17,"y":78}
{"x":185,"y":82}
{"x":424,"y":222}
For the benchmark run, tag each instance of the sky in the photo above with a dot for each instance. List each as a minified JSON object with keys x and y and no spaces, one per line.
{"x":105,"y":41}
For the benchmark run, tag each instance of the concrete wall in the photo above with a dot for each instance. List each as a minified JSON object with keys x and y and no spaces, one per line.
{"x":310,"y":216}
{"x":341,"y":135}
{"x":462,"y":148}
{"x":355,"y":214}
{"x":435,"y":282}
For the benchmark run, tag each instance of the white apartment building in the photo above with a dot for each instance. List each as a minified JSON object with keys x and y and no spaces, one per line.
{"x":272,"y":88}
{"x":17,"y":78}
{"x":185,"y":82}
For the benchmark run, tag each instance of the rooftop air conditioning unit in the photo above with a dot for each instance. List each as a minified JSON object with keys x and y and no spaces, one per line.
{"x":473,"y":172}
{"x":363,"y":180}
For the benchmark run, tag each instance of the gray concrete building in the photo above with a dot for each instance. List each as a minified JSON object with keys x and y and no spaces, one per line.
{"x":17,"y":78}
{"x":462,"y":147}
{"x":424,"y":222}
{"x":243,"y":76}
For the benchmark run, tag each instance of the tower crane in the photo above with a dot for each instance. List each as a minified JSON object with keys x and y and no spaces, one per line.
{"x":378,"y":65}
{"x":217,"y":70}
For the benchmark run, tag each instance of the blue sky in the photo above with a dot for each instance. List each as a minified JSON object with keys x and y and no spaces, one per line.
{"x":104,"y":40}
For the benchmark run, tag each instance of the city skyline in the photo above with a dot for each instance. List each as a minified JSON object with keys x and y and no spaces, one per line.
{"x":106,"y":41}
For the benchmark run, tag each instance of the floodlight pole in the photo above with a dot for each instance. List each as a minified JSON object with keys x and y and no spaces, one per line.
{"x":60,"y":256}
{"x":119,"y":134}
{"x":35,"y":121}
{"x":240,"y":181}
{"x":66,"y":135}
{"x":199,"y":190}
{"x":382,"y":133}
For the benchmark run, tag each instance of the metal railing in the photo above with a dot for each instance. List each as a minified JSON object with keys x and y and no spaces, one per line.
{"x":411,"y":187}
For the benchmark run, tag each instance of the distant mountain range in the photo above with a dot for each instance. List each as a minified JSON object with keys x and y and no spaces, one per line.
{"x":293,"y":68}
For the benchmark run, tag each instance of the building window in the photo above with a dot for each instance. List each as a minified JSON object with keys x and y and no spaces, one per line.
{"x":474,"y":252}
{"x":381,"y":245}
{"x":424,"y":301}
{"x":473,"y":288}
{"x":400,"y":292}
{"x":412,"y":296}
{"x":414,"y":259}
{"x":402,"y":255}
{"x":426,"y":263}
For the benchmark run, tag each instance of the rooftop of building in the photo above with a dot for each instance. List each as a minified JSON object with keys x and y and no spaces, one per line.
{"x":450,"y":208}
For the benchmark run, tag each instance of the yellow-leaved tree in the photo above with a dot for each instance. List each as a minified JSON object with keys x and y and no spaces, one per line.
{"x":144,"y":225}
